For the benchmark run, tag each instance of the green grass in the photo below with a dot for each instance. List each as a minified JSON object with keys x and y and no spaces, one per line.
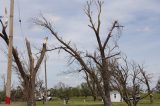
{"x":79,"y":101}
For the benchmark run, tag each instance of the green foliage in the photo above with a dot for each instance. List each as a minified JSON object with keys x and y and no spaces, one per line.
{"x":62,"y":91}
{"x":85,"y":90}
{"x":17,"y":95}
{"x":2,"y":96}
{"x":158,"y":85}
{"x":156,"y":96}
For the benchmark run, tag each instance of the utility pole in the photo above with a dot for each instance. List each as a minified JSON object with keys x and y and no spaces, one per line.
{"x":8,"y":87}
{"x":46,"y":92}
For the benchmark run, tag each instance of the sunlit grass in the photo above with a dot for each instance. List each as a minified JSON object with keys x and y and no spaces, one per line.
{"x":79,"y":101}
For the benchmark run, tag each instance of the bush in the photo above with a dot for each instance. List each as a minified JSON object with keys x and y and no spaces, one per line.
{"x":2,"y":96}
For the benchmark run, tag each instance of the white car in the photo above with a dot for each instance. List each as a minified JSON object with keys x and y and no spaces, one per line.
{"x":49,"y":98}
{"x":39,"y":98}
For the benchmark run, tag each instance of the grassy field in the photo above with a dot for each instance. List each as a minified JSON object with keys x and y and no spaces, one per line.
{"x":60,"y":103}
{"x":79,"y":101}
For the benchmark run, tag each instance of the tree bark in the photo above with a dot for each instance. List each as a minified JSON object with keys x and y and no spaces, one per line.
{"x":107,"y":100}
{"x":30,"y":92}
{"x":94,"y":98}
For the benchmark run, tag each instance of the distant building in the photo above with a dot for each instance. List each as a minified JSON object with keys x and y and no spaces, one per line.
{"x":115,"y":96}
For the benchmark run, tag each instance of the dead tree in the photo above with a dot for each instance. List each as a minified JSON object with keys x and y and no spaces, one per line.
{"x":39,"y":86}
{"x":100,"y":57}
{"x":146,"y":80}
{"x":129,"y":79}
{"x":28,"y":74}
{"x":92,"y":85}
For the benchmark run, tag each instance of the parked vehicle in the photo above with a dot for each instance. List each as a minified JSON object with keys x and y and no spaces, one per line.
{"x":41,"y":98}
{"x":49,"y":98}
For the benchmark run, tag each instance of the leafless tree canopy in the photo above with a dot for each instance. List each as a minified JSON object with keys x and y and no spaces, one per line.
{"x":100,"y":58}
{"x":130,"y":79}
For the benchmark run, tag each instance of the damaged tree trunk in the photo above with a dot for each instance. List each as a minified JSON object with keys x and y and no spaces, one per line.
{"x":28,"y":75}
{"x":29,"y":89}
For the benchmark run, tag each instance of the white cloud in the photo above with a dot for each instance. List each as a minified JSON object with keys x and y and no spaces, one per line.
{"x":53,"y":19}
{"x":129,"y":10}
{"x":144,"y":29}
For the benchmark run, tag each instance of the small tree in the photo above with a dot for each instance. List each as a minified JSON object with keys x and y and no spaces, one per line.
{"x":92,"y":86}
{"x":62,"y":90}
{"x":17,"y":94}
{"x":129,"y":79}
{"x":39,"y":87}
{"x":158,"y":85}
{"x":2,"y":96}
{"x":85,"y":90}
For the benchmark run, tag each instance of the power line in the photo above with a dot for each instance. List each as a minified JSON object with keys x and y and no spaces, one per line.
{"x":19,"y":18}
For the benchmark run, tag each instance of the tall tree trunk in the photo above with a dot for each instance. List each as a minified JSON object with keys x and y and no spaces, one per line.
{"x":134,"y":104}
{"x":94,"y":98}
{"x":106,"y":82}
{"x":129,"y":104}
{"x":151,"y":97}
{"x":107,"y":100}
{"x":30,"y":92}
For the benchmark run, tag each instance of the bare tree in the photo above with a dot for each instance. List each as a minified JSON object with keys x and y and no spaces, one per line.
{"x":27,"y":73}
{"x":100,"y":57}
{"x":92,"y":86}
{"x":146,"y":81}
{"x":129,"y":79}
{"x":39,"y":85}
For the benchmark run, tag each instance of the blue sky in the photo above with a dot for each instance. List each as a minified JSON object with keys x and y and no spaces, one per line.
{"x":139,"y":39}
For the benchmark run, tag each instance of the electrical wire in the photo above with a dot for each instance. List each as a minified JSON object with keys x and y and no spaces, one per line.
{"x":19,"y":18}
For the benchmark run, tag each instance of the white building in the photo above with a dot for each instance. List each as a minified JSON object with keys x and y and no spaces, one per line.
{"x":115,"y":96}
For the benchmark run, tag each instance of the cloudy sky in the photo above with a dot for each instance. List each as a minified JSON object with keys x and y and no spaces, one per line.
{"x":140,"y":39}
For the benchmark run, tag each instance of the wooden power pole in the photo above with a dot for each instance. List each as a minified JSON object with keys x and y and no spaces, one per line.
{"x":8,"y":87}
